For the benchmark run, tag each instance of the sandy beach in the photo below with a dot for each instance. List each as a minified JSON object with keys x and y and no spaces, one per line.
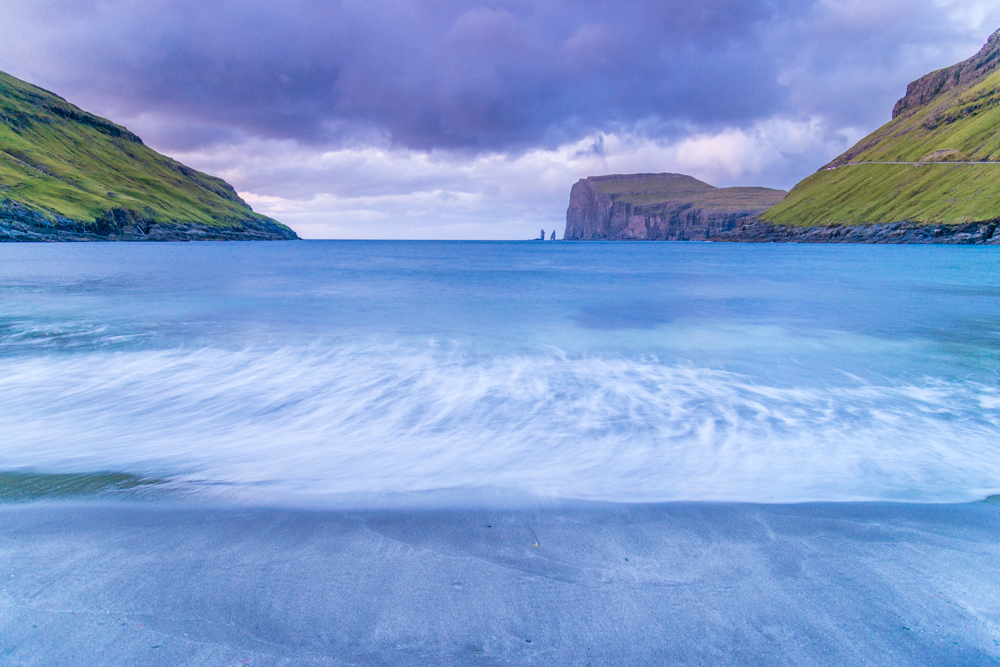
{"x":687,"y":584}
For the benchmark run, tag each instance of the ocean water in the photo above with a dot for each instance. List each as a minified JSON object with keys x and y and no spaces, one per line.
{"x":360,"y":373}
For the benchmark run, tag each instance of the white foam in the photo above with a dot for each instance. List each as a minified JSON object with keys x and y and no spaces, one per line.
{"x":383,"y":419}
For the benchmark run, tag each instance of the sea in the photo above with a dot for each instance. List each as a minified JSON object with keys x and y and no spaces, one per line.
{"x":356,"y":373}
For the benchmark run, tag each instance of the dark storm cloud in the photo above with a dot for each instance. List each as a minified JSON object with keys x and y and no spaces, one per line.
{"x":426,"y":74}
{"x":464,"y":75}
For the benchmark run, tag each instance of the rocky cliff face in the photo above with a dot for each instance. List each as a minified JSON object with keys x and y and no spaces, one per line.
{"x":964,"y":74}
{"x":934,"y":93}
{"x":670,"y":207}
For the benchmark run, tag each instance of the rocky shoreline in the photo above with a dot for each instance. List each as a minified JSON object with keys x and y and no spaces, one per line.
{"x":20,"y":224}
{"x":753,"y":230}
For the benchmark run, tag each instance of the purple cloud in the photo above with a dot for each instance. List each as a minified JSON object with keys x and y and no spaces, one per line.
{"x":451,"y":74}
{"x":417,"y":110}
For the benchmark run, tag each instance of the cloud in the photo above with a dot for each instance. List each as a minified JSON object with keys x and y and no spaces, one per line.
{"x":386,"y":192}
{"x":459,"y":75}
{"x":441,"y":117}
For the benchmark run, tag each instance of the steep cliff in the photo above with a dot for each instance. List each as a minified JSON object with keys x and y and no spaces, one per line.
{"x":68,"y":175}
{"x":670,"y":207}
{"x":936,"y":163}
{"x":963,"y":75}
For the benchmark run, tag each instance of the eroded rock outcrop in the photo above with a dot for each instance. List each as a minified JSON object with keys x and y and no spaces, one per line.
{"x":964,"y":74}
{"x":672,"y":207}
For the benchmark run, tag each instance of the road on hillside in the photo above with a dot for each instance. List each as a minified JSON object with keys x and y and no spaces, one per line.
{"x":913,"y":164}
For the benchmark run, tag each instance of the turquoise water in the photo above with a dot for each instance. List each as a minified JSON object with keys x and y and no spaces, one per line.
{"x":372,"y":372}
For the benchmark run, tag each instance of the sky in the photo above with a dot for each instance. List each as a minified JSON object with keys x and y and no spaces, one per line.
{"x":459,"y":119}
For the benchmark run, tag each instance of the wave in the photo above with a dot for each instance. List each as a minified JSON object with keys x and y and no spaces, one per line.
{"x":318,"y":423}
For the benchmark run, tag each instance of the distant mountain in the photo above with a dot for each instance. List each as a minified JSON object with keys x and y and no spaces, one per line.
{"x":659,"y":206}
{"x":932,"y":174}
{"x":67,"y":175}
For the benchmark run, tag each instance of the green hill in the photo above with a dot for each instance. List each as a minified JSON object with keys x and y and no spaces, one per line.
{"x":652,"y":189}
{"x":944,"y":139}
{"x":66,"y":174}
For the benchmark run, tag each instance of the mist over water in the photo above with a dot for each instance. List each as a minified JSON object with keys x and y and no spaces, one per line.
{"x":318,"y":371}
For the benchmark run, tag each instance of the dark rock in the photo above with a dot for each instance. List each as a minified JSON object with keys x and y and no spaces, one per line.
{"x":753,"y":230}
{"x":19,"y":223}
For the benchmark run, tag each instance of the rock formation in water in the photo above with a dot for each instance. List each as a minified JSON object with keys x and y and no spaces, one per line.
{"x":67,"y":175}
{"x":930,"y":175}
{"x":659,"y":207}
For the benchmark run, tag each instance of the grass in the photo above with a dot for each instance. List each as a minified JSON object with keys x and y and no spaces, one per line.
{"x":649,"y":183}
{"x":961,"y":125}
{"x":728,"y":198}
{"x":880,"y":193}
{"x":653,"y":189}
{"x":61,"y":161}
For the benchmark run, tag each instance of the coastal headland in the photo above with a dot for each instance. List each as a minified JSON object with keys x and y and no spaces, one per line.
{"x":669,"y":207}
{"x":936,"y":163}
{"x":930,"y":175}
{"x":68,"y":175}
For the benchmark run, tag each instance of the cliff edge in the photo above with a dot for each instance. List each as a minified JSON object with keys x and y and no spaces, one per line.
{"x":68,"y":175}
{"x":670,"y":207}
{"x":930,"y":175}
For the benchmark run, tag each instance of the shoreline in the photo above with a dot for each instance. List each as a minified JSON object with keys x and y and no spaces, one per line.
{"x":19,"y":224}
{"x":754,"y":230}
{"x":679,"y":583}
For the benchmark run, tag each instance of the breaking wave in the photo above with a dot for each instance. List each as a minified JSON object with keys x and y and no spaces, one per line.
{"x":314,"y":423}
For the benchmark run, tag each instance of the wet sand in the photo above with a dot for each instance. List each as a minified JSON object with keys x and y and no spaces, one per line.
{"x":675,"y":584}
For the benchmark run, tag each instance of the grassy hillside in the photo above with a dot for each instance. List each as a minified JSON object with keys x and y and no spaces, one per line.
{"x":652,"y":189}
{"x":881,"y":193}
{"x":58,"y":160}
{"x":648,"y":183}
{"x":952,"y":121}
{"x":722,"y":198}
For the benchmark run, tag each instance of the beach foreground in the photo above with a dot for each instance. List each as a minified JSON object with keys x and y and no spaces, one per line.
{"x":680,"y":583}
